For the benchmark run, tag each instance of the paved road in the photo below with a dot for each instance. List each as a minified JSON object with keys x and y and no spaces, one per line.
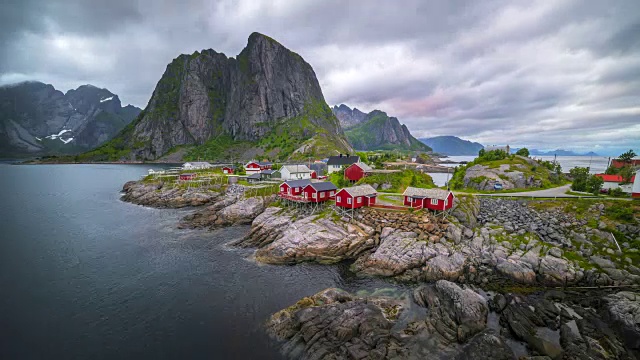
{"x":553,"y":192}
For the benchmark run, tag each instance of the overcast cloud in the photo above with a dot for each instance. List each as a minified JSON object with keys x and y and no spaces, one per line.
{"x":543,"y":74}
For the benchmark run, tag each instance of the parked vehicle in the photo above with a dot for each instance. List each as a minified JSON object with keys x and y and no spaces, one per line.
{"x":497,"y":186}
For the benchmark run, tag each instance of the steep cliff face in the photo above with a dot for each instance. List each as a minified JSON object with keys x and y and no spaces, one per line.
{"x":376,"y":130}
{"x":348,"y":118}
{"x":37,"y":119}
{"x":267,"y":98}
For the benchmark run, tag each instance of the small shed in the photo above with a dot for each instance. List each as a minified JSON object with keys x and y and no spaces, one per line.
{"x":228,"y":169}
{"x":254,"y":178}
{"x":319,"y":191}
{"x":188,"y":176}
{"x":357,"y":171}
{"x":293,"y":187}
{"x":433,"y":199}
{"x":356,"y":196}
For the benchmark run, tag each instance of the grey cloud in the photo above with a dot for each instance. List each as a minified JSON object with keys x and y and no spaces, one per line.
{"x":539,"y":72}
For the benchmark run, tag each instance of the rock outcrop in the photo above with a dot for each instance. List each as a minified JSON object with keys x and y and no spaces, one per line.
{"x":37,"y":119}
{"x":266,"y":93}
{"x":161,"y":195}
{"x":376,"y":130}
{"x":455,"y":313}
{"x":284,"y":240}
{"x":228,"y":211}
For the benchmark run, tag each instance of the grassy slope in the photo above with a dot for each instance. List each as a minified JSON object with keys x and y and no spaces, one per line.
{"x":539,"y":172}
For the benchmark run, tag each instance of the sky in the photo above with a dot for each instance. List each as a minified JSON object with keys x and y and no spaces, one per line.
{"x":542,"y":74}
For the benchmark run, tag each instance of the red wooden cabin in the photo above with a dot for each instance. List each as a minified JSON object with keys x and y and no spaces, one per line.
{"x":253,"y":167}
{"x":319,"y":191}
{"x":314,"y":174}
{"x":228,"y":169}
{"x":293,"y":187}
{"x":189,"y":176}
{"x":433,"y":199}
{"x":357,"y":171}
{"x":356,"y":197}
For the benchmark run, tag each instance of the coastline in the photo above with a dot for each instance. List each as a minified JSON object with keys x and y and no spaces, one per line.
{"x":478,"y":248}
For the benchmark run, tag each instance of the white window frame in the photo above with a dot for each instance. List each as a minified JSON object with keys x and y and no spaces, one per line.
{"x":313,"y":195}
{"x":338,"y":199}
{"x":349,"y":200}
{"x":331,"y":193}
{"x":322,"y":194}
{"x":281,"y":188}
{"x":359,"y":199}
{"x":434,"y":201}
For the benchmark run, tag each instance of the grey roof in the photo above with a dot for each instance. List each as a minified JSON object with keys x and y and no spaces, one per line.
{"x":268,"y":172}
{"x":360,"y":190}
{"x":319,"y":168}
{"x":298,"y":183}
{"x":254,"y":176}
{"x":229,"y":166}
{"x":264,"y":163}
{"x":426,"y":193}
{"x":343,"y":160}
{"x":364,"y":167}
{"x":323,"y":186}
{"x":296,"y":169}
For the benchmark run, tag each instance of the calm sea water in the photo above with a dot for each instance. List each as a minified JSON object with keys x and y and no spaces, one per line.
{"x":86,"y":276}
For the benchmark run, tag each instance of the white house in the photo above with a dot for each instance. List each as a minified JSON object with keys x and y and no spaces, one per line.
{"x":295,"y":172}
{"x":335,"y":163}
{"x":196,"y":165}
{"x":615,"y":181}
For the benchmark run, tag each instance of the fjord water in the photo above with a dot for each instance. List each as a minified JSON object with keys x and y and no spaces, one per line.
{"x":84,"y":275}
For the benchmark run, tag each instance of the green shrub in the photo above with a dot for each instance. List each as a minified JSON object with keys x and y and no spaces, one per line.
{"x":620,"y":211}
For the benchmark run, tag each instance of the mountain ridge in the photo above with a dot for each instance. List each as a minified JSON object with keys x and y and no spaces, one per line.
{"x":265,"y":102}
{"x":36,"y":119}
{"x":376,"y":130}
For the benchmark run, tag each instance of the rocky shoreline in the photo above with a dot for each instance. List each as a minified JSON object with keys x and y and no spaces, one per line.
{"x":510,"y":247}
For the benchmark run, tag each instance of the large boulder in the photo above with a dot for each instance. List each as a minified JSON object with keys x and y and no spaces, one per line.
{"x":227,"y":212}
{"x":444,"y":267}
{"x":517,"y":270}
{"x":335,"y":325}
{"x":160,"y":195}
{"x":397,"y":253}
{"x":312,"y":239}
{"x":623,"y":309}
{"x":455,"y":313}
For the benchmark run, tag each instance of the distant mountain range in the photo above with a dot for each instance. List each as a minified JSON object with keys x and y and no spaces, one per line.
{"x":452,"y":145}
{"x":558,"y":152}
{"x":375,"y":130}
{"x":36,"y":119}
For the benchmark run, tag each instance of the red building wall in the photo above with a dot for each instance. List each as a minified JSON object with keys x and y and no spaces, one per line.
{"x":618,"y":164}
{"x":314,"y":175}
{"x":354,"y":172}
{"x":294,"y":191}
{"x":344,"y":195}
{"x":426,"y":203}
{"x":228,"y":170}
{"x":309,"y":191}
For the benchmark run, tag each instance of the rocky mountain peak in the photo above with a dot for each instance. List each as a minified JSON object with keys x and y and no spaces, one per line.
{"x":266,"y":94}
{"x":37,"y":119}
{"x":375,"y":130}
